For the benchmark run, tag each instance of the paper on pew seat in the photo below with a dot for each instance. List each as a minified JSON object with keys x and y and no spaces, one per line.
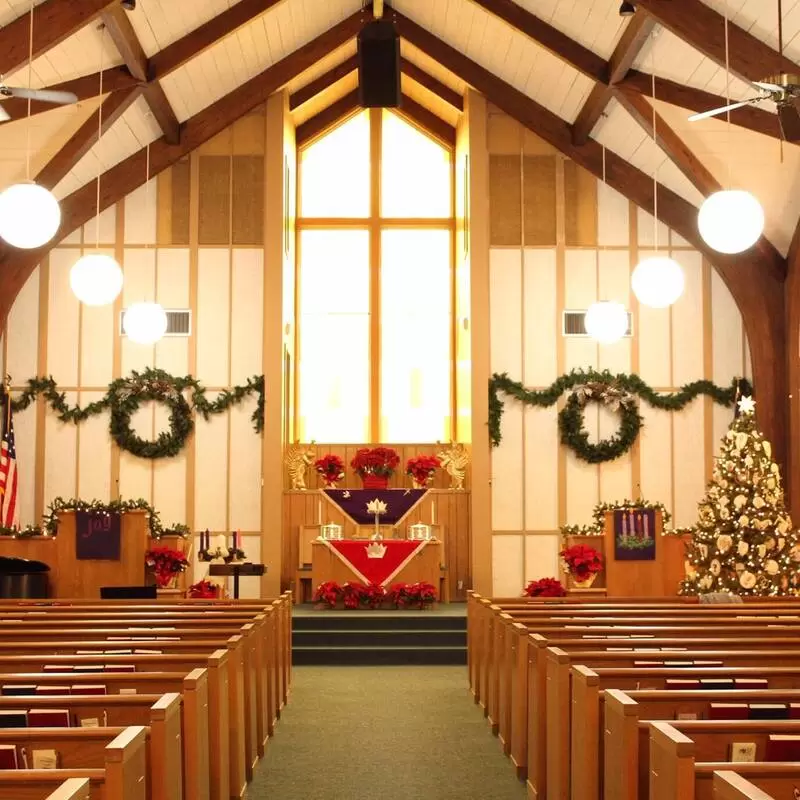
{"x":127,"y":691}
{"x":117,"y":652}
{"x":44,"y":759}
{"x":148,"y":652}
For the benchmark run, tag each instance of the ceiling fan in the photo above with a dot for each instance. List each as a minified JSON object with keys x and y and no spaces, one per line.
{"x":40,"y":95}
{"x":782,"y":89}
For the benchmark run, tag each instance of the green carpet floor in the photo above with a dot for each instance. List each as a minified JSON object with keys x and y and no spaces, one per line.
{"x":368,"y":733}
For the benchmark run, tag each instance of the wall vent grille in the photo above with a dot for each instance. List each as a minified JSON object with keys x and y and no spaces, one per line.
{"x":574,"y":324}
{"x":179,"y":322}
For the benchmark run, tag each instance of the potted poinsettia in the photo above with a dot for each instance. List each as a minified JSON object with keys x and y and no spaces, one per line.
{"x":545,"y":587}
{"x":205,"y":589}
{"x":375,"y":466}
{"x":328,"y":593}
{"x":422,"y":469}
{"x":583,"y":563}
{"x":330,"y":468}
{"x":166,"y":563}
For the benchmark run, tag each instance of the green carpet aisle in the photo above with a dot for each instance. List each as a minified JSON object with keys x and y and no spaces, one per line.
{"x":352,"y":733}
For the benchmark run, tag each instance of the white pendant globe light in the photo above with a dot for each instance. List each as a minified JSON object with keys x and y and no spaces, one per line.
{"x":145,"y":323}
{"x":731,"y":220}
{"x":96,"y":279}
{"x":657,"y":281}
{"x":29,"y":215}
{"x":606,"y":321}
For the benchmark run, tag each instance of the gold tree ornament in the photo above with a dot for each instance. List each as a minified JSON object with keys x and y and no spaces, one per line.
{"x":454,"y":459}
{"x":297,"y":460}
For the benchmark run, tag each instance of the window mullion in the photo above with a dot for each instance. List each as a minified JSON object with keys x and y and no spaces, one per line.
{"x":375,"y":273}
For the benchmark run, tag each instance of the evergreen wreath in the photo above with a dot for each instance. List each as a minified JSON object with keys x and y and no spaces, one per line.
{"x":616,"y":391}
{"x":125,"y":396}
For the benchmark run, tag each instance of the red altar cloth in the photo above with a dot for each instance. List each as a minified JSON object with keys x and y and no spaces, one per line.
{"x":381,"y":570}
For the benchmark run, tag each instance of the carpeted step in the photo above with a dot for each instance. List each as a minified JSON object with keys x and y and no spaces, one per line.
{"x":376,"y":620}
{"x":392,"y":637}
{"x":374,"y":656}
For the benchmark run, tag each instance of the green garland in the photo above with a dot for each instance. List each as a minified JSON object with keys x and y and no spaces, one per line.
{"x":601,"y":509}
{"x":125,"y":396}
{"x":157,"y":530}
{"x":619,"y":390}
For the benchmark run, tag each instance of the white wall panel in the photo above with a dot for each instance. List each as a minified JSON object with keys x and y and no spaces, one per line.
{"x":726,"y":326}
{"x":541,"y":473}
{"x":648,"y":235}
{"x":140,"y":214}
{"x":60,"y":455}
{"x":507,"y":486}
{"x":541,"y":557}
{"x":213,"y":316}
{"x":655,"y":455}
{"x":654,"y":343}
{"x":247,"y":308}
{"x":169,"y":480}
{"x":211,"y":458}
{"x":687,"y":321}
{"x":505,"y":311}
{"x":613,"y":211}
{"x":250,"y":589}
{"x":94,"y":454}
{"x":140,"y":284}
{"x":507,"y":566}
{"x":582,"y":478}
{"x":62,"y":320}
{"x":26,"y":436}
{"x":245,"y":469}
{"x":541,"y":318}
{"x":172,"y":291}
{"x":615,"y":476}
{"x":580,"y":291}
{"x":99,"y":327}
{"x":23,"y":332}
{"x":614,"y":282}
{"x":689,"y":455}
{"x":107,"y":229}
{"x":136,"y":474}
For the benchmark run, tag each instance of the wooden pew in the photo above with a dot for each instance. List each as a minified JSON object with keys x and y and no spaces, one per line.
{"x":123,"y":776}
{"x":676,"y":775}
{"x":71,"y":789}
{"x":730,"y":786}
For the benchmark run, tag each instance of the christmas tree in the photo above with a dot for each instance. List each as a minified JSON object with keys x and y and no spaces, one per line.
{"x":743,"y":541}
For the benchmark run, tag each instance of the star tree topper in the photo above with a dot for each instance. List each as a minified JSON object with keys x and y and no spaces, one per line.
{"x":747,"y":405}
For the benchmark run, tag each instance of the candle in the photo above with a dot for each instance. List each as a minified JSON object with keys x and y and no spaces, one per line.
{"x":644,"y":522}
{"x":624,"y":524}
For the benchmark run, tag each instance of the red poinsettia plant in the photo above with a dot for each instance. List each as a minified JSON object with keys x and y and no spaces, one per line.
{"x":582,"y":561}
{"x":328,"y":593}
{"x":205,"y":590}
{"x":376,"y":461}
{"x":166,"y":563}
{"x":409,"y":595}
{"x":422,"y":468}
{"x":331,"y":468}
{"x":545,"y":587}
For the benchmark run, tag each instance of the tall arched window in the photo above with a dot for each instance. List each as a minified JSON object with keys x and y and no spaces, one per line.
{"x":375,"y":284}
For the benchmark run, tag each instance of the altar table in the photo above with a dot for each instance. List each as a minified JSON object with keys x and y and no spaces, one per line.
{"x":342,"y":565}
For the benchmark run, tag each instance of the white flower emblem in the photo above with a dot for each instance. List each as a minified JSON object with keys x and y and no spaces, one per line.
{"x":376,"y":507}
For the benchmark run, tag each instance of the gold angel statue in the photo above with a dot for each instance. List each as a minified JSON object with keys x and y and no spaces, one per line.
{"x":298,"y":457}
{"x":454,"y":460}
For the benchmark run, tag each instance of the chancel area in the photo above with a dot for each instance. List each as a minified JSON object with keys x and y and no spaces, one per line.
{"x":399,"y":397}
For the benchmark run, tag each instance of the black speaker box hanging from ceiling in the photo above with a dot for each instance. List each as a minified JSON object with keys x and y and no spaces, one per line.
{"x":379,"y":65}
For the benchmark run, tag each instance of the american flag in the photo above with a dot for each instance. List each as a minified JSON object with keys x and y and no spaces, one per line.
{"x":9,"y":510}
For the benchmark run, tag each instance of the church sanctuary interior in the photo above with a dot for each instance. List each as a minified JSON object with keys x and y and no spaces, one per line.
{"x":399,"y":398}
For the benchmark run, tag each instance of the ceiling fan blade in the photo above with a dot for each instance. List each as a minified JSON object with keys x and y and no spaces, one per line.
{"x":722,"y":110}
{"x":768,"y":87}
{"x":45,"y":96}
{"x":4,"y":115}
{"x":789,"y":118}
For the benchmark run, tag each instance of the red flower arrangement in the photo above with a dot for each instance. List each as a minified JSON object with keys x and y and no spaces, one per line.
{"x":375,"y":466}
{"x":582,"y":561}
{"x":328,"y":593}
{"x":422,"y":469}
{"x":545,"y":587}
{"x":331,"y":468}
{"x":406,"y":595}
{"x":165,"y":563}
{"x":205,"y":590}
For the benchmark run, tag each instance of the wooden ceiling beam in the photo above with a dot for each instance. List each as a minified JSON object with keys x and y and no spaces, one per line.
{"x":327,"y":118}
{"x":323,"y":82}
{"x":123,"y":178}
{"x":548,"y":37}
{"x":441,"y":90}
{"x":82,"y":141}
{"x":756,"y":283}
{"x":429,"y":122}
{"x":696,"y":100}
{"x":639,"y":27}
{"x":53,"y":22}
{"x":120,"y":29}
{"x":704,"y":29}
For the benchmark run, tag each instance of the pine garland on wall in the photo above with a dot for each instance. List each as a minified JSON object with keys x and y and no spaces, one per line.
{"x":617,"y":392}
{"x":125,"y":396}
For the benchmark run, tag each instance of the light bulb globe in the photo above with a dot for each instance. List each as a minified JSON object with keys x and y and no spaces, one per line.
{"x":606,"y":321}
{"x":29,"y":215}
{"x":657,"y":281}
{"x":730,"y":221}
{"x":144,"y":323}
{"x":96,"y":279}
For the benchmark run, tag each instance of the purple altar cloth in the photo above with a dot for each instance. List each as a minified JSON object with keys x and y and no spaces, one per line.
{"x":353,"y":503}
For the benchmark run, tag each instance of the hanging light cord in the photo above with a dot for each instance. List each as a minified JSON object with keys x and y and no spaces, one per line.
{"x":99,"y":136}
{"x":30,"y":86}
{"x":728,"y":95}
{"x":655,"y":143}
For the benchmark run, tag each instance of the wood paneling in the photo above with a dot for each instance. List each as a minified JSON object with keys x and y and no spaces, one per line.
{"x":539,"y":200}
{"x":248,"y":200}
{"x":179,"y":195}
{"x":580,"y":206}
{"x":215,"y":199}
{"x":505,"y":191}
